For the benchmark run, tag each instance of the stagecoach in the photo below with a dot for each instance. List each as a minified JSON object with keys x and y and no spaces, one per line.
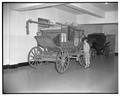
{"x":56,"y":42}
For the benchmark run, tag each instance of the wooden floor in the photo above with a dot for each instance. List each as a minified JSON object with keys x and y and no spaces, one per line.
{"x":101,"y":77}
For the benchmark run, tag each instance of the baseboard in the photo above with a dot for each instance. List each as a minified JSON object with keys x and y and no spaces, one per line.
{"x":15,"y":65}
{"x":19,"y":65}
{"x":116,"y":54}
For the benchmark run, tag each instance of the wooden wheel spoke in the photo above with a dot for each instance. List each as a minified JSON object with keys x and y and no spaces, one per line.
{"x":65,"y":64}
{"x":35,"y":52}
{"x":66,"y":59}
{"x":58,"y":63}
{"x":32,"y":62}
{"x":61,"y":68}
{"x":59,"y":59}
{"x":38,"y":52}
{"x":31,"y":56}
{"x":32,"y":59}
{"x":35,"y":62}
{"x":38,"y":62}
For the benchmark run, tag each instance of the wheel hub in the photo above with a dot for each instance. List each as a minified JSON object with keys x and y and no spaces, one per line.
{"x":37,"y":58}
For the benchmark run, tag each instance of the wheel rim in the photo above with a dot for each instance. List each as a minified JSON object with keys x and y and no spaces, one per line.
{"x":34,"y":57}
{"x":62,"y":62}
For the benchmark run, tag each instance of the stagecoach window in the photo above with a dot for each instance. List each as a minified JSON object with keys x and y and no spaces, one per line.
{"x":63,"y":37}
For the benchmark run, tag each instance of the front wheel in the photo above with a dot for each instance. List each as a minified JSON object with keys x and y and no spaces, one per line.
{"x":62,"y":62}
{"x":34,"y":57}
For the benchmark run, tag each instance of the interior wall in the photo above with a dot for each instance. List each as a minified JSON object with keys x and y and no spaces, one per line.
{"x":6,"y":33}
{"x":110,"y":17}
{"x":112,"y":29}
{"x":19,"y":43}
{"x":92,"y":28}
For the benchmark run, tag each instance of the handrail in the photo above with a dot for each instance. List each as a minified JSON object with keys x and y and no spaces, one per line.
{"x":57,"y":23}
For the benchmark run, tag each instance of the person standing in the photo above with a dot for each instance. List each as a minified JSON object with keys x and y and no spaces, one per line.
{"x":86,"y":48}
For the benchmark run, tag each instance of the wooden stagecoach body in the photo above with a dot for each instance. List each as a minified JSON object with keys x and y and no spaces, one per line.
{"x":57,"y":43}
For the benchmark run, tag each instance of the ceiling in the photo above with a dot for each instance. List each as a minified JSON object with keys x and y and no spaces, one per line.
{"x":69,"y":9}
{"x":103,"y":6}
{"x":95,"y":9}
{"x":106,"y":6}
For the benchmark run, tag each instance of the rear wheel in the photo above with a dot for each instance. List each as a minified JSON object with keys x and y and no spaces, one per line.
{"x":62,"y":62}
{"x":34,"y":57}
{"x":81,"y":60}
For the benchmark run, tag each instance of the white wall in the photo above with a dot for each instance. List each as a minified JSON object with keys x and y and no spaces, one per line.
{"x":112,"y":29}
{"x":6,"y":33}
{"x":19,"y":43}
{"x":92,"y":28}
{"x":110,"y":17}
